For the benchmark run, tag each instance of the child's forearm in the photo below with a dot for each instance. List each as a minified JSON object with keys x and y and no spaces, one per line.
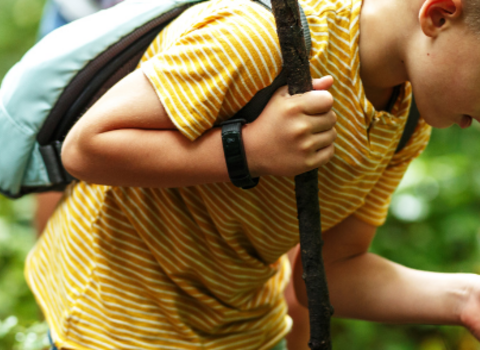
{"x":152,"y":158}
{"x":365,"y":286}
{"x":372,"y":288}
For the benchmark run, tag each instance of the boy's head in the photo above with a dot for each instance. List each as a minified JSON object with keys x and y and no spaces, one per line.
{"x":444,"y":61}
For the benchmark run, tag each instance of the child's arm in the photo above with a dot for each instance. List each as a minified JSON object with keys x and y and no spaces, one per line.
{"x":127,"y":139}
{"x":366,"y":286}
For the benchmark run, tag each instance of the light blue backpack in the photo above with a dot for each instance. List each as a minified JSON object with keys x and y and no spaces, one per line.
{"x":44,"y":94}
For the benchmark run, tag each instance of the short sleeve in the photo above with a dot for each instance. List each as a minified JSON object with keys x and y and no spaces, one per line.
{"x":219,"y":54}
{"x":375,"y":208}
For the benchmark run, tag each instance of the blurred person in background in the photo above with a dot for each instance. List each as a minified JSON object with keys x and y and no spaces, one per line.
{"x":57,"y":13}
{"x":60,"y":12}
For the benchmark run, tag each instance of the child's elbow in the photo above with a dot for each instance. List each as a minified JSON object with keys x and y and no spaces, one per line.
{"x":75,"y":157}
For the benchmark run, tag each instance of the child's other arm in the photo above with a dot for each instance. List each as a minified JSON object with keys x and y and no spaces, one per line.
{"x":127,"y":139}
{"x":366,"y":286}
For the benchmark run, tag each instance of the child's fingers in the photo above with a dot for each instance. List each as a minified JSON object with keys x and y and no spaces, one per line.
{"x":323,"y":122}
{"x":322,"y":156}
{"x":321,"y":140}
{"x":323,"y":83}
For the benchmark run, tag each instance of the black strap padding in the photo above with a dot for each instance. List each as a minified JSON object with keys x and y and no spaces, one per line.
{"x":51,"y":155}
{"x":410,"y":126}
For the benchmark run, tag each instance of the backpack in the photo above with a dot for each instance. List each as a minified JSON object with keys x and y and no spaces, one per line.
{"x":56,"y":81}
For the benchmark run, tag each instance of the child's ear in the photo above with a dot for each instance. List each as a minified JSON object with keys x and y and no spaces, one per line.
{"x":437,"y":15}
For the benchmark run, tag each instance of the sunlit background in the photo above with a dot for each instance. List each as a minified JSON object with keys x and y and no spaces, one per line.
{"x":434,"y":224}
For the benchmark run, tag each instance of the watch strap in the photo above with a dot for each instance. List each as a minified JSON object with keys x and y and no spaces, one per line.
{"x":235,"y":154}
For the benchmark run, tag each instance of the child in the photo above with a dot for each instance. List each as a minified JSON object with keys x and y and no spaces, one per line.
{"x":168,"y":254}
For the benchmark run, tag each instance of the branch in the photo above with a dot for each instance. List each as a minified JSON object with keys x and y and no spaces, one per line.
{"x":299,"y":80}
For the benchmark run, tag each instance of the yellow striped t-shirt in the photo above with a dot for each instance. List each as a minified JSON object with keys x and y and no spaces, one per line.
{"x":201,"y":267}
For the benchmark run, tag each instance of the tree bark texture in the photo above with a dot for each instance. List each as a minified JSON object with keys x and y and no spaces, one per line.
{"x":299,"y":80}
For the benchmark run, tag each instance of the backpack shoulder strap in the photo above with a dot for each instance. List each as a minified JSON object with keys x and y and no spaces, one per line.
{"x":256,"y":105}
{"x":410,"y":126}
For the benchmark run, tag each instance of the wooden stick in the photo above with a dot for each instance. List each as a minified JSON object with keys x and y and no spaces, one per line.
{"x":299,"y":80}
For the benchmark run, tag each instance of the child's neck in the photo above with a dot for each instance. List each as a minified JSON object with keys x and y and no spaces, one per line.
{"x":381,"y":55}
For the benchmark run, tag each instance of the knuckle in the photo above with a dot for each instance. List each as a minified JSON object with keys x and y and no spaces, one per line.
{"x":293,"y":107}
{"x":301,"y":128}
{"x":306,"y":146}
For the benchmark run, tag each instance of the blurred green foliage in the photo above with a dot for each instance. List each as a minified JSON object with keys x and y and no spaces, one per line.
{"x":18,"y":25}
{"x":434,"y":224}
{"x":21,"y":325}
{"x":18,"y":310}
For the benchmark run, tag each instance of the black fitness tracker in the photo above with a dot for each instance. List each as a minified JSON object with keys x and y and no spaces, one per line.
{"x":235,"y":154}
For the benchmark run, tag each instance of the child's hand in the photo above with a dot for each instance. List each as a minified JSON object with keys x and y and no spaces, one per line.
{"x":470,"y":310}
{"x":293,"y":134}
